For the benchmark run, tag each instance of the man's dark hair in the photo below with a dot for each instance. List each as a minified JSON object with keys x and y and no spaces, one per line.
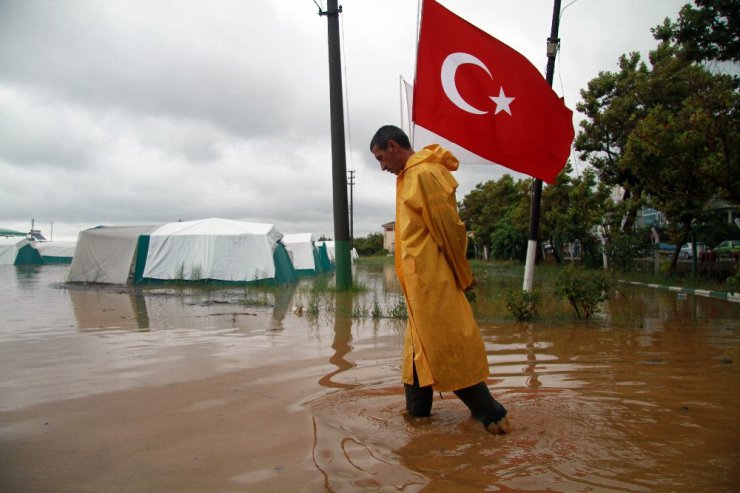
{"x":389,"y":132}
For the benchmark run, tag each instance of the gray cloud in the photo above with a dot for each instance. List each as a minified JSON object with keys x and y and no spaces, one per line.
{"x":123,"y":112}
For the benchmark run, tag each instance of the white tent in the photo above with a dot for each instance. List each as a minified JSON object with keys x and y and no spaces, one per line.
{"x":303,"y":251}
{"x":56,"y":252}
{"x":106,"y":254}
{"x":16,"y":250}
{"x":218,"y":249}
{"x":330,"y":247}
{"x":208,"y":249}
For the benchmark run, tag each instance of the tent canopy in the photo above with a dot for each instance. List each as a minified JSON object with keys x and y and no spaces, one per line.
{"x":191,"y":251}
{"x":216,"y":249}
{"x":304,"y":253}
{"x":15,"y":250}
{"x":106,"y":254}
{"x":55,"y":252}
{"x":11,"y":232}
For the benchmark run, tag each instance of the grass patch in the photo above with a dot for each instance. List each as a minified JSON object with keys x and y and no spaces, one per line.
{"x":662,"y":279}
{"x":376,"y":260}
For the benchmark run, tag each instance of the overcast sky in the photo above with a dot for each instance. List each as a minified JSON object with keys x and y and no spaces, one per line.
{"x":144,"y":112}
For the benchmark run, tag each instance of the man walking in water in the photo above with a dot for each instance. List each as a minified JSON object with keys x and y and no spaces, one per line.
{"x":443,"y":349}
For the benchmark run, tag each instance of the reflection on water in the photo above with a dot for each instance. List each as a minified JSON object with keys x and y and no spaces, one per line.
{"x":594,"y":409}
{"x":282,"y":302}
{"x":643,"y":398}
{"x":341,"y":343}
{"x":100,"y":309}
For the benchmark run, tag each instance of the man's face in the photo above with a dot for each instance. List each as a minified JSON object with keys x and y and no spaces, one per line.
{"x":391,"y":159}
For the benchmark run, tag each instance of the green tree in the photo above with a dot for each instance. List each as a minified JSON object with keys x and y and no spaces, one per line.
{"x":509,"y":242}
{"x":708,"y":31}
{"x":669,"y":133}
{"x":572,"y":209}
{"x":488,"y":203}
{"x":678,"y":149}
{"x":613,"y":108}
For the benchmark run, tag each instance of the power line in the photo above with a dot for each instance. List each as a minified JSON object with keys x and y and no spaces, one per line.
{"x":574,"y":158}
{"x":346,"y":96}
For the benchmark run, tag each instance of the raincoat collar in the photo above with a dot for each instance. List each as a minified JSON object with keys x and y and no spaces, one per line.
{"x":433,"y":154}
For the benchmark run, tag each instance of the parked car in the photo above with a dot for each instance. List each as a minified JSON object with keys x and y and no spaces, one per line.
{"x":687,"y":252}
{"x":727,"y":248}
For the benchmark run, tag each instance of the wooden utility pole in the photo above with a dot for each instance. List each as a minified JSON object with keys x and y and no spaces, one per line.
{"x":338,"y":153}
{"x":534,"y":218}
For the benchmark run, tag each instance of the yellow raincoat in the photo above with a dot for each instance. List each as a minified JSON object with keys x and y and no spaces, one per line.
{"x":441,"y":336}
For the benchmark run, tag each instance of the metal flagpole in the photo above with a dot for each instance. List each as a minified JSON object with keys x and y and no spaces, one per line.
{"x":534,"y":219}
{"x":338,"y":153}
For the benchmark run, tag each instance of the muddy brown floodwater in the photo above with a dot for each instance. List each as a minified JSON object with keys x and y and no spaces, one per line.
{"x":297,"y":389}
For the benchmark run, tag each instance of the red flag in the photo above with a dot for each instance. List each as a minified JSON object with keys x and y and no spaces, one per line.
{"x":481,"y":94}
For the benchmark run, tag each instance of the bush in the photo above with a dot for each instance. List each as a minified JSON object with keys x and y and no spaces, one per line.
{"x":369,"y":245}
{"x":522,"y":304}
{"x":733,"y":283}
{"x":583,"y":288}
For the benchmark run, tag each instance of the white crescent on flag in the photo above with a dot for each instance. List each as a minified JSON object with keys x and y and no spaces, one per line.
{"x":421,"y":137}
{"x":447,"y":74}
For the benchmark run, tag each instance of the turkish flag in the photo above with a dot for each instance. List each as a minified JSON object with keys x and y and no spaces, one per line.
{"x":481,"y":94}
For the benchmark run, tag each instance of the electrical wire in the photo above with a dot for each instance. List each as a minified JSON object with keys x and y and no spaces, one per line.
{"x":346,"y":96}
{"x":563,"y":9}
{"x":574,"y":158}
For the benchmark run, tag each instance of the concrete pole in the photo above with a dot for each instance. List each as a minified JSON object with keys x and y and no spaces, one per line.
{"x":338,"y":153}
{"x":534,"y":217}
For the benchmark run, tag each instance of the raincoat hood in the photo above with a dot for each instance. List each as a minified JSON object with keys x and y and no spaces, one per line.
{"x":435,"y":154}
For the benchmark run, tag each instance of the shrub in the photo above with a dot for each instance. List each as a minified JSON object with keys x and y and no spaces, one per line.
{"x":369,"y":245}
{"x":583,"y":288}
{"x":733,"y":283}
{"x":522,"y":304}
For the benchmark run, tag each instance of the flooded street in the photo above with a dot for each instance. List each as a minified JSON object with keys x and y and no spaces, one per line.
{"x":298,"y":389}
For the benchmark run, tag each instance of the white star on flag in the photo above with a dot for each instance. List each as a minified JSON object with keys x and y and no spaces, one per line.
{"x":502,"y":102}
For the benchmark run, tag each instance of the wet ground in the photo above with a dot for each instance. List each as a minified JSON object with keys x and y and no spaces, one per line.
{"x":297,"y":389}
